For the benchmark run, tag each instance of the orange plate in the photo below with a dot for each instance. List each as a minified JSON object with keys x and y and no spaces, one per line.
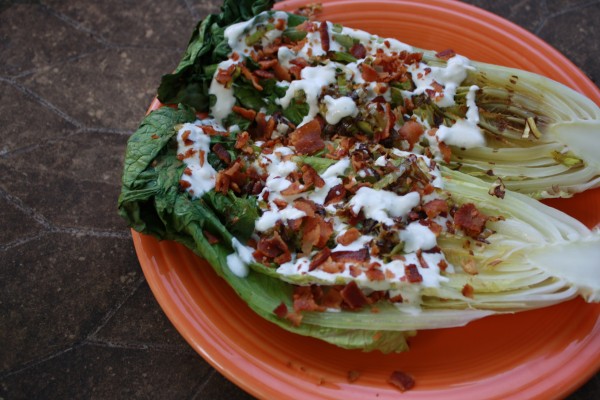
{"x":536,"y":354}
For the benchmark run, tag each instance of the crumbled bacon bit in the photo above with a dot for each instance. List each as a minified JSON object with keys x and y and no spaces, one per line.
{"x":210,"y":131}
{"x":467,"y":291}
{"x":316,"y":232}
{"x":332,"y":298}
{"x":262,"y":74}
{"x":311,"y":177}
{"x":446,"y":151}
{"x":280,"y":203}
{"x":281,"y":73}
{"x":368,"y":73}
{"x":295,"y":188}
{"x":267,"y":64}
{"x":222,"y":182}
{"x":281,"y":310}
{"x":358,"y":50}
{"x":348,"y":237}
{"x":401,"y":380}
{"x":355,"y":271}
{"x":335,"y":195}
{"x":280,"y":24}
{"x":264,"y":128}
{"x":470,"y":220}
{"x":332,"y":267}
{"x":298,"y":64}
{"x":445,"y":54}
{"x":185,"y":136}
{"x":375,"y":274}
{"x":307,"y":139}
{"x":308,"y":206}
{"x":188,"y":153}
{"x":421,"y":259}
{"x":212,"y":239}
{"x":350,"y":255}
{"x":443,"y":265}
{"x":435,"y":207}
{"x":242,"y":140}
{"x":304,"y":300}
{"x":222,"y":153}
{"x":412,"y":273}
{"x":324,"y":33}
{"x":225,"y":76}
{"x":390,"y":120}
{"x":251,"y":77}
{"x":396,"y":299}
{"x":411,"y":131}
{"x":273,"y":246}
{"x":245,"y":113}
{"x":319,"y":258}
{"x":353,"y":296}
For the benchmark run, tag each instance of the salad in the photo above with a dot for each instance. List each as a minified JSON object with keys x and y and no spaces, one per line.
{"x":356,"y":189}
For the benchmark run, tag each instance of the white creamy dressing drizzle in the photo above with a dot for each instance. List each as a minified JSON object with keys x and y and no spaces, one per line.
{"x":339,"y":108}
{"x":380,"y":205}
{"x":394,"y":271}
{"x":450,"y":77}
{"x":331,"y":178}
{"x":225,"y":99}
{"x":239,"y":260}
{"x":202,"y":175}
{"x":276,"y":182}
{"x":314,"y":79}
{"x":416,"y":236}
{"x":464,"y":133}
{"x":236,"y":39}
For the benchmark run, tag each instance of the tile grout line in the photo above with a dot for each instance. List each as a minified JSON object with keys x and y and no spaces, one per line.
{"x":75,"y":24}
{"x":138,"y":346}
{"x":98,"y":37}
{"x":20,"y":242}
{"x":550,"y":15}
{"x":111,"y":313}
{"x":39,"y":99}
{"x":67,"y":60}
{"x":30,"y":364}
{"x":18,"y":203}
{"x":50,"y":227}
{"x":92,"y":232}
{"x":66,"y":117}
{"x":203,"y":385}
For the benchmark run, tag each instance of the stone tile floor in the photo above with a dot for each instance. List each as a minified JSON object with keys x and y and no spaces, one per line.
{"x":77,"y":319}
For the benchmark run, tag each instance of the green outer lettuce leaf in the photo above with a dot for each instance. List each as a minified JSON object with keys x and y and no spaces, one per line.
{"x":190,"y":81}
{"x":152,"y":203}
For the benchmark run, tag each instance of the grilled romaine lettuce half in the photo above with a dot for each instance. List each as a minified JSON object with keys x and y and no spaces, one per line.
{"x":541,"y":136}
{"x":526,"y":264}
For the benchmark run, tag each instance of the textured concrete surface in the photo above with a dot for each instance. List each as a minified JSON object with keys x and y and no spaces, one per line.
{"x":77,"y":319}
